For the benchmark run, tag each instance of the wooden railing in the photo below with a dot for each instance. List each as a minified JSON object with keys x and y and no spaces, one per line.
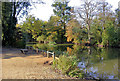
{"x":37,"y":50}
{"x":52,"y":53}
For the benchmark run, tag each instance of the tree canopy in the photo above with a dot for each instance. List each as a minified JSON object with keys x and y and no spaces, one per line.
{"x":93,"y":23}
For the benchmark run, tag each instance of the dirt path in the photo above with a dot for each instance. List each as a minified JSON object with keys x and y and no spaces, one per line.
{"x":16,"y":65}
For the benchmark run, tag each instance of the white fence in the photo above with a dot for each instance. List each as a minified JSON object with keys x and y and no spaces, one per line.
{"x":52,"y":53}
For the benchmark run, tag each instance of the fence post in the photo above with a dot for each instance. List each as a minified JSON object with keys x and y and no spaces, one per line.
{"x":42,"y":52}
{"x":53,"y":56}
{"x":48,"y":54}
{"x":36,"y":50}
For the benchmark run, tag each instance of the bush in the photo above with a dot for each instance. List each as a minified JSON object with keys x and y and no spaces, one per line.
{"x":68,"y":65}
{"x":20,"y":44}
{"x":76,"y":73}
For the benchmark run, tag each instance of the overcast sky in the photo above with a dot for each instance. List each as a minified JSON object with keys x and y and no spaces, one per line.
{"x":44,"y":11}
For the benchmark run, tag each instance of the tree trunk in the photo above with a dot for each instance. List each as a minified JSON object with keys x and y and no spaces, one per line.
{"x":89,"y":38}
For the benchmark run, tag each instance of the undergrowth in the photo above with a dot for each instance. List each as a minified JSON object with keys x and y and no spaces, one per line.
{"x":68,"y":65}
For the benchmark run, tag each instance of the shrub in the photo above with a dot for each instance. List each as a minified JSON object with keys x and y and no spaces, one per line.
{"x":68,"y":65}
{"x":76,"y":73}
{"x":20,"y":44}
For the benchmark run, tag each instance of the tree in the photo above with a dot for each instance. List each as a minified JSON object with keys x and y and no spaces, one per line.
{"x":106,"y":17}
{"x":96,"y":29}
{"x":109,"y":35}
{"x":41,"y":38}
{"x":33,"y":27}
{"x":10,"y":11}
{"x":104,"y":12}
{"x":54,"y":30}
{"x":118,"y":16}
{"x":70,"y":33}
{"x":118,"y":26}
{"x":63,"y":11}
{"x":86,"y":13}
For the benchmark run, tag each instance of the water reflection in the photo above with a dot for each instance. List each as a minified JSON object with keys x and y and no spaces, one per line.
{"x":97,"y":62}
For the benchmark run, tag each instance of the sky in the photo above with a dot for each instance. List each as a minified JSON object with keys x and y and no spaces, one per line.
{"x":44,"y":11}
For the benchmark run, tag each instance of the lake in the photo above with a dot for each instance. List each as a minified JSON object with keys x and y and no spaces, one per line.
{"x":95,"y":61}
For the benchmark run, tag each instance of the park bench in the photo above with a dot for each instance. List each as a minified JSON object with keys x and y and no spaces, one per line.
{"x":24,"y":51}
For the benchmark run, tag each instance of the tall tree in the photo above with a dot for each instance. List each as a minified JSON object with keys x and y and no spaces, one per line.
{"x":54,"y":29}
{"x":63,"y":11}
{"x":10,"y":11}
{"x":33,"y":27}
{"x":86,"y":12}
{"x":118,"y":16}
{"x":104,"y":12}
{"x":107,"y":22}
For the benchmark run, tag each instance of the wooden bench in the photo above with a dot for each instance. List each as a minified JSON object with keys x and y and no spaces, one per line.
{"x":24,"y":51}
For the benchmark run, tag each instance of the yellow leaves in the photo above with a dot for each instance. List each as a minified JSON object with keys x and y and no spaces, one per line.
{"x":54,"y":32}
{"x":69,"y":30}
{"x":45,"y":22}
{"x":17,"y":25}
{"x":69,"y":39}
{"x":69,"y":50}
{"x":32,"y":30}
{"x":69,"y":34}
